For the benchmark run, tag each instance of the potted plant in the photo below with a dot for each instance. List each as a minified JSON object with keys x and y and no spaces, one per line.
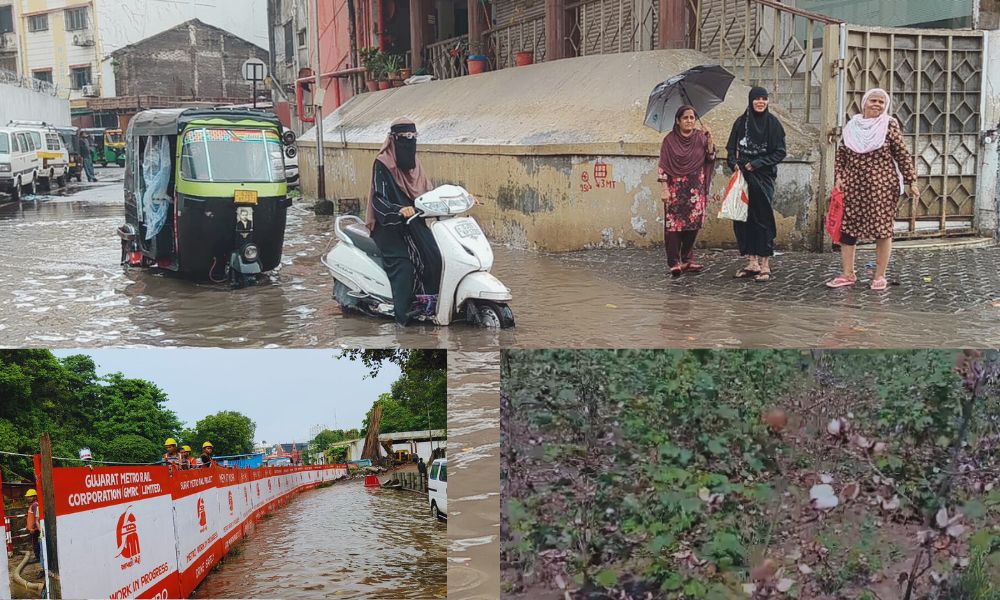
{"x":368,"y":57}
{"x":373,"y":67}
{"x":524,"y":58}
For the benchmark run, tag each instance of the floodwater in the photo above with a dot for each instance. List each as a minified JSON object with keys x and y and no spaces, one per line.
{"x":61,"y":285}
{"x":344,"y":541}
{"x":474,"y":464}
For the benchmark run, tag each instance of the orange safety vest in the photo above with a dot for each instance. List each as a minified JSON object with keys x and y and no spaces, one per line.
{"x":171,"y":458}
{"x":33,"y":517}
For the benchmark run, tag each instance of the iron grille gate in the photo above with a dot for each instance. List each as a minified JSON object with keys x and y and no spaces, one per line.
{"x":935,"y":78}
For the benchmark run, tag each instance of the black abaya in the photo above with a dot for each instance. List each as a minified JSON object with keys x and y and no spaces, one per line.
{"x":409,"y":253}
{"x":763,"y":151}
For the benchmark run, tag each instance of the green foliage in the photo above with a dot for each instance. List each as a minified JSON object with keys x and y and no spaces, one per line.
{"x":230,"y":432}
{"x":132,"y":448}
{"x":419,"y":398}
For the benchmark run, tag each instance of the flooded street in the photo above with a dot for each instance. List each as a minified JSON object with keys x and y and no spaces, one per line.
{"x":474,"y":458}
{"x":61,"y":285}
{"x":344,"y":541}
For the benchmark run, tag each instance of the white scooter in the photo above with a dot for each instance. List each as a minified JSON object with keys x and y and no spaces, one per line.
{"x":468,"y":291}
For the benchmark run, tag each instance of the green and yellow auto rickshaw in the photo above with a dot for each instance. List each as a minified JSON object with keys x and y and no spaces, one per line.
{"x":205,"y":193}
{"x":108,"y":146}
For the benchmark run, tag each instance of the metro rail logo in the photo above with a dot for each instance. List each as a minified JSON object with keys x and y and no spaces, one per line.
{"x":127,"y":537}
{"x":202,"y":517}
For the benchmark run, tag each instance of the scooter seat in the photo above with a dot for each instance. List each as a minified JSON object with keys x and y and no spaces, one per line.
{"x":359,"y":236}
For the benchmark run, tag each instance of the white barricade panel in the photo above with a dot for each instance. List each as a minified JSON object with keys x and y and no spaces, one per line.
{"x":116,"y":533}
{"x":232,"y":500}
{"x":197,"y":522}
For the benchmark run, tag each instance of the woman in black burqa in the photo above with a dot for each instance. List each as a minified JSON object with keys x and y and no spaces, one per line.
{"x":409,"y":253}
{"x":756,"y":146}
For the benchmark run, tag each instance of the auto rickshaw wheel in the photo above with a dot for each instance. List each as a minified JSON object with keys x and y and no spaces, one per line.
{"x":61,"y":180}
{"x":104,"y":163}
{"x":121,"y":163}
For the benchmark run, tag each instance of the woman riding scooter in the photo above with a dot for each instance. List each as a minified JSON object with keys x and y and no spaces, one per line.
{"x":410,"y":255}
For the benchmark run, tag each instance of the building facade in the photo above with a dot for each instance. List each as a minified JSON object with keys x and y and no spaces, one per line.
{"x":59,"y":45}
{"x":9,"y":46}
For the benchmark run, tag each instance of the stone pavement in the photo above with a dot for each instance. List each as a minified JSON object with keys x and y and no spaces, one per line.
{"x":950,"y":280}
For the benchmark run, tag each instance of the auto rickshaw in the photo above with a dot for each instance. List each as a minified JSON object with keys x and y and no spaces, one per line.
{"x":71,"y":139}
{"x":114,"y":148}
{"x":205,"y":193}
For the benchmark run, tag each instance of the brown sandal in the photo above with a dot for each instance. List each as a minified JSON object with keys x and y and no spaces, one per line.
{"x":762,"y":276}
{"x":746,"y":273}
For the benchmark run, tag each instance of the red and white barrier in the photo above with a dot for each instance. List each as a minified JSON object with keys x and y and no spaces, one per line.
{"x":151,"y":532}
{"x":4,"y":579}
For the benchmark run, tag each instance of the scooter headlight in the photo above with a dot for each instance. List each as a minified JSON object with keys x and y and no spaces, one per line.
{"x":460,"y":204}
{"x":250,"y":252}
{"x":436,"y":206}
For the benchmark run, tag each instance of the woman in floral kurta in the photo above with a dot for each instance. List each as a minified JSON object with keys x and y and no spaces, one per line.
{"x":871,"y":167}
{"x":687,"y":160}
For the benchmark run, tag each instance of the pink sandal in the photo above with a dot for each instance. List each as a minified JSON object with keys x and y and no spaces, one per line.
{"x":841,"y":281}
{"x":879,"y":284}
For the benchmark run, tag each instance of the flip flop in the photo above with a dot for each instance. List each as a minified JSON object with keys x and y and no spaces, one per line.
{"x":693,"y":267}
{"x":879,"y":284}
{"x":746,"y":273}
{"x":841,"y":281}
{"x":762,"y":277}
{"x":676,"y":271}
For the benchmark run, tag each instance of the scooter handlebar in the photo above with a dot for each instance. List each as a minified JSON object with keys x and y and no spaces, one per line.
{"x":415,"y":215}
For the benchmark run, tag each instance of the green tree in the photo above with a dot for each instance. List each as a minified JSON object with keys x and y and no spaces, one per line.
{"x":132,"y":448}
{"x":229,"y":431}
{"x":395,"y":416}
{"x":423,"y":386}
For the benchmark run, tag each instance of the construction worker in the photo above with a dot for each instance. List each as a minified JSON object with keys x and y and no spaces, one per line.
{"x":33,"y":529}
{"x":171,"y":457}
{"x":206,"y":454}
{"x":422,"y":469}
{"x":186,"y":460}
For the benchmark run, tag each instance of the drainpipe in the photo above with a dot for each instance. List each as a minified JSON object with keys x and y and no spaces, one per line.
{"x":318,"y":110}
{"x":342,"y":73}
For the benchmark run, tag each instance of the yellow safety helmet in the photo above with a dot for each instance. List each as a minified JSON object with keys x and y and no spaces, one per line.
{"x":186,"y":448}
{"x":30,"y":493}
{"x":207,"y":445}
{"x":170,"y":442}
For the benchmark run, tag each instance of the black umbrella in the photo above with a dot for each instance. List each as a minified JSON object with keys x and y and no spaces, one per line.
{"x":703,"y":87}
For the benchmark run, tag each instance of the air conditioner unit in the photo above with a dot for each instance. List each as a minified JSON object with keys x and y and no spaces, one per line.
{"x":83,"y":39}
{"x":89,"y":91}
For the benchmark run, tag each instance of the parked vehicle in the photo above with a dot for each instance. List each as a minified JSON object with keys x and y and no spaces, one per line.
{"x":19,"y":162}
{"x":51,"y":151}
{"x":468,"y":290}
{"x":109,"y":146}
{"x":71,"y":139}
{"x":437,"y":488}
{"x":205,"y":193}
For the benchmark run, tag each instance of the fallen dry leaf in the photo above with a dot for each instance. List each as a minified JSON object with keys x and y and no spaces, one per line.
{"x":892,"y":504}
{"x":764,"y":571}
{"x":785,"y":584}
{"x":776,"y":419}
{"x":805,"y":569}
{"x":850,"y":491}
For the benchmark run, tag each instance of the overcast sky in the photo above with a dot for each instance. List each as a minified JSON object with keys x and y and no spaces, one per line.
{"x":286,"y":392}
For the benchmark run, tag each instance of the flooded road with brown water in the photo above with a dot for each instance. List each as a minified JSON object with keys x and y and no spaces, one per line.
{"x":474,"y":464}
{"x":61,"y":285}
{"x":344,"y":541}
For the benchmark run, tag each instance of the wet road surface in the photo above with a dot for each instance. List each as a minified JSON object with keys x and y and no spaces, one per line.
{"x":474,"y":461}
{"x":345,"y":541}
{"x":61,"y":285}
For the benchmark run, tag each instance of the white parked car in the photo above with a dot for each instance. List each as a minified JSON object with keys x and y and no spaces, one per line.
{"x":437,"y":488}
{"x":53,"y":157}
{"x":19,"y":162}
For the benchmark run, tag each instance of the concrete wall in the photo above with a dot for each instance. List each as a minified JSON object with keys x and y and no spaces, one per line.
{"x":528,"y":142}
{"x":988,"y":183}
{"x":192,"y":59}
{"x":21,"y":103}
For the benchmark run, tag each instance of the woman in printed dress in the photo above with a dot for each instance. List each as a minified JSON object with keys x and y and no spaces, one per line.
{"x":687,"y":159}
{"x":871,"y":168}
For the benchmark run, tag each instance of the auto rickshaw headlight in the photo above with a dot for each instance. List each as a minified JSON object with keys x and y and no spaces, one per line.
{"x":250,"y":252}
{"x":288,"y":137}
{"x":290,"y":152}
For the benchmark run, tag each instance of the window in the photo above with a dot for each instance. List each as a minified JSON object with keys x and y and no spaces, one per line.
{"x":79,"y":77}
{"x":25,"y":143}
{"x":45,"y":75}
{"x":6,"y":19}
{"x":13,"y":144}
{"x":444,"y":473}
{"x":52,"y":141}
{"x":36,"y":139}
{"x":76,"y":19}
{"x":4,"y":143}
{"x":434,"y":472}
{"x":289,"y":42}
{"x":302,"y":37}
{"x":38,"y":23}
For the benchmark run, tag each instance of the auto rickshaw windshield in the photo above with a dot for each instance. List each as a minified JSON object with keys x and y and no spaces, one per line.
{"x":115,"y":138}
{"x":232,"y":155}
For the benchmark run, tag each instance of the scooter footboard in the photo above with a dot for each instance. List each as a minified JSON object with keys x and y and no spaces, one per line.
{"x":481,"y":285}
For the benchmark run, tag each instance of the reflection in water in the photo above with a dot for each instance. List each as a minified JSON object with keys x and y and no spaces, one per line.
{"x":344,"y":541}
{"x":474,"y":462}
{"x":61,"y":284}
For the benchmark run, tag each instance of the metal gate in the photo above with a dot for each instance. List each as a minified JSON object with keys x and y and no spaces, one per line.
{"x":935,"y":78}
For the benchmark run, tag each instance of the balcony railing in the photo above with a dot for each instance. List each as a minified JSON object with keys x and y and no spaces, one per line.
{"x":447,"y":57}
{"x":526,"y":36}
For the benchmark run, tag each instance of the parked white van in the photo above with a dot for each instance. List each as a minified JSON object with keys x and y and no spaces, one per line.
{"x":19,"y":162}
{"x":52,"y":154}
{"x":437,"y":488}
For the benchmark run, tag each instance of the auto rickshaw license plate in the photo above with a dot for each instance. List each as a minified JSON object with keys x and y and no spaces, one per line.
{"x":245,"y":197}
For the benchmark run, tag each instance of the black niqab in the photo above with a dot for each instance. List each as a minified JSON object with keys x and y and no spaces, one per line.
{"x":406,"y":149}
